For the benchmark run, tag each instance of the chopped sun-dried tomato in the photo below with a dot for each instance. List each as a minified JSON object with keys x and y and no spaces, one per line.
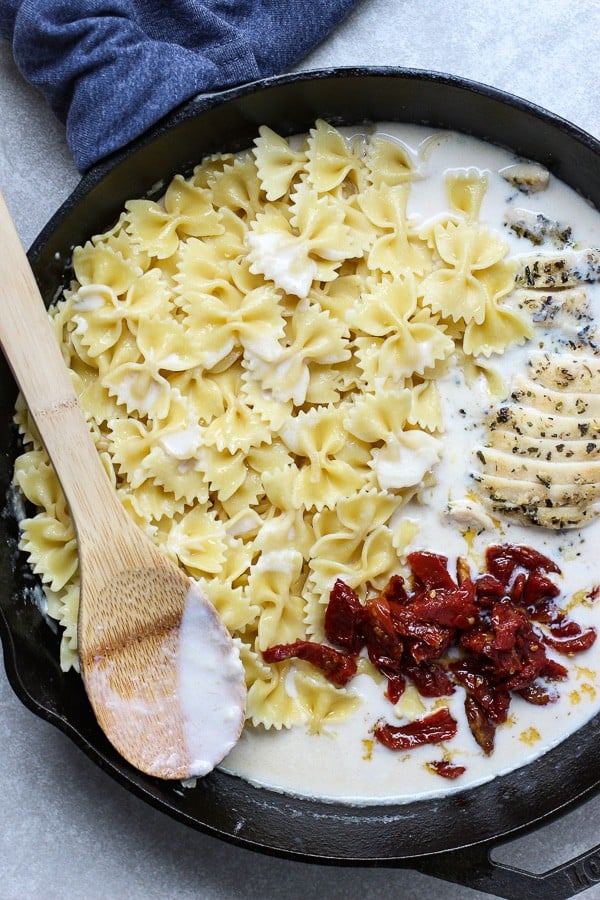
{"x":539,"y":694}
{"x":446,"y":769}
{"x":503,"y":559}
{"x":430,"y":570}
{"x":487,"y":633}
{"x":438,"y":726}
{"x":337,"y":667}
{"x":343,"y":618}
{"x":482,"y":728}
{"x":576,"y":644}
{"x":538,"y":587}
{"x":430,"y":679}
{"x":384,"y":644}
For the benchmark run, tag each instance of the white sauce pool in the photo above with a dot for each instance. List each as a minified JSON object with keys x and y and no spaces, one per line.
{"x":344,"y":762}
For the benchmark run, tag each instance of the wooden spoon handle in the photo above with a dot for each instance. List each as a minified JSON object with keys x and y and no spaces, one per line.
{"x":33,"y":354}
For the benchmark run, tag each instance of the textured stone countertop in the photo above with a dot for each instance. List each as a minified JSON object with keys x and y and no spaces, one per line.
{"x":67,"y":830}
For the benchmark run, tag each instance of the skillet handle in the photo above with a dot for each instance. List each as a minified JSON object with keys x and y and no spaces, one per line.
{"x":473,"y":867}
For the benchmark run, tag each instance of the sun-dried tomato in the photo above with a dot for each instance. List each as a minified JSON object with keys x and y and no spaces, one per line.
{"x":337,"y":667}
{"x":384,"y":645}
{"x":553,"y":671}
{"x":503,"y":559}
{"x":494,"y":700}
{"x":436,"y":643}
{"x":430,"y":679}
{"x":395,"y":687}
{"x":432,"y":729}
{"x":576,"y":644}
{"x":487,"y":589}
{"x":539,"y":694}
{"x":488,"y":633}
{"x":544,"y":611}
{"x":482,"y":729}
{"x":344,"y":617}
{"x":562,"y":627}
{"x":518,"y":588}
{"x":506,"y":621}
{"x":537,"y":588}
{"x":430,"y":570}
{"x":395,"y":591}
{"x":446,"y":769}
{"x":451,"y":608}
{"x":406,"y":624}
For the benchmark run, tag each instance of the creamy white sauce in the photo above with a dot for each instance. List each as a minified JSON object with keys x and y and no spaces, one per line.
{"x":211,"y":685}
{"x":344,"y":762}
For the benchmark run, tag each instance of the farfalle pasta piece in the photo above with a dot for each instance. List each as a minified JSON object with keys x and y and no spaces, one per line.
{"x":150,"y":504}
{"x":268,"y":702}
{"x":252,"y":320}
{"x":234,"y":604}
{"x":338,"y":297}
{"x":322,"y":478}
{"x":466,"y":189}
{"x":49,"y":540}
{"x":389,"y":162}
{"x":209,"y":167}
{"x":238,"y":187}
{"x":330,"y":158}
{"x":323,"y":703}
{"x":276,"y":162}
{"x":249,"y":494}
{"x":377,"y":417}
{"x":100,"y":316}
{"x":202,"y":392}
{"x":24,"y":422}
{"x":119,"y":241}
{"x":198,"y":540}
{"x":398,"y":248}
{"x":142,"y":387}
{"x":276,"y":483}
{"x":362,"y":512}
{"x":130,"y":442}
{"x":404,"y":340}
{"x":426,"y":410}
{"x":184,"y":210}
{"x":223,"y":471}
{"x":285,"y":371}
{"x":63,"y":606}
{"x":275,"y":583}
{"x":466,"y":249}
{"x":271,"y":410}
{"x":239,"y":427}
{"x":356,"y":558}
{"x":309,"y":246}
{"x":501,"y":328}
{"x":283,"y":529}
{"x":404,"y":461}
{"x":174,"y":464}
{"x":199,"y":271}
{"x":100,"y":264}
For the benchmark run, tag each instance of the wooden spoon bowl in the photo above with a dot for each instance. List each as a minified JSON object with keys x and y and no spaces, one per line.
{"x":160,"y":669}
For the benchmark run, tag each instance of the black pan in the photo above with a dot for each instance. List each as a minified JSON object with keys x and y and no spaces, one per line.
{"x":418,"y":834}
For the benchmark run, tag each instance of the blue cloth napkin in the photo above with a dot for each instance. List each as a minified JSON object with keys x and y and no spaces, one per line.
{"x":111,"y":68}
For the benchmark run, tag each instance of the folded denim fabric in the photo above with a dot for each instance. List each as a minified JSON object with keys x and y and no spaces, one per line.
{"x":111,"y":68}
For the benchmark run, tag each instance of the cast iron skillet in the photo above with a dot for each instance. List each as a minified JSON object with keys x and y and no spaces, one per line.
{"x":418,"y":834}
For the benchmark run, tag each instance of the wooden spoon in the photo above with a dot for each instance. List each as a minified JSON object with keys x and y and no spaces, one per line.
{"x":160,"y":669}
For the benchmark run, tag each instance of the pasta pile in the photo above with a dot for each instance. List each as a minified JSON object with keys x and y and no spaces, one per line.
{"x":257,"y":357}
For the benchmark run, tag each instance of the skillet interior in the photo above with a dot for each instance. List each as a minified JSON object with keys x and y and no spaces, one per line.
{"x":220,"y":804}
